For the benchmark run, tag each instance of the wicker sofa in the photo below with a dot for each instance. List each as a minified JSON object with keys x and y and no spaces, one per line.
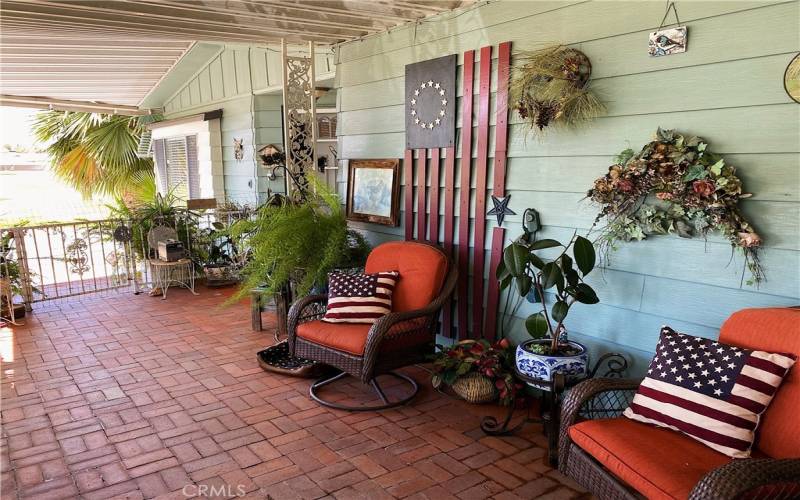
{"x":615,"y":457}
{"x":401,"y":338}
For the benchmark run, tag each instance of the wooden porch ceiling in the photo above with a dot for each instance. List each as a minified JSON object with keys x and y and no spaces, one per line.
{"x":116,"y":51}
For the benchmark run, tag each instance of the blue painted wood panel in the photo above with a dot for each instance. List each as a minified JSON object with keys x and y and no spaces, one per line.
{"x":725,"y":88}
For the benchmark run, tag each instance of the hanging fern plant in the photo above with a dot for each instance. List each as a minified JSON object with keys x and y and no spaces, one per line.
{"x":674,"y":185}
{"x":299,"y":242}
{"x":551,"y":88}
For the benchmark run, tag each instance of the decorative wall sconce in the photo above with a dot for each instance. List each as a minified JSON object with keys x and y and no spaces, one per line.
{"x":238,"y":148}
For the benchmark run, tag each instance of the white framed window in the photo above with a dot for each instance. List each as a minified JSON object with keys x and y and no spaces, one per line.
{"x":188,"y":157}
{"x":177,"y":166}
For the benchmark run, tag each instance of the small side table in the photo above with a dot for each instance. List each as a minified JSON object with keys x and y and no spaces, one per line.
{"x":177,"y":273}
{"x":258,"y":302}
{"x":550,"y":412}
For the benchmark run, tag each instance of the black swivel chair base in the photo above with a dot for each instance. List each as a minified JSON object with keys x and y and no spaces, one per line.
{"x":313,"y":392}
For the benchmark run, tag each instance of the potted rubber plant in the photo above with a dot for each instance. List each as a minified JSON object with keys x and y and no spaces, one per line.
{"x":557,"y":285}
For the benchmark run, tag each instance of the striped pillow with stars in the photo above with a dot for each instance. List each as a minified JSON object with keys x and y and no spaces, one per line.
{"x":712,"y":392}
{"x":359,"y":298}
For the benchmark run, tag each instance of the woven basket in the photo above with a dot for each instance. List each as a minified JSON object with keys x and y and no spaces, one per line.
{"x":475,"y":388}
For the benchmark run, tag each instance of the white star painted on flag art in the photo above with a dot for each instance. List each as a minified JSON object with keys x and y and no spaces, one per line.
{"x":413,"y":103}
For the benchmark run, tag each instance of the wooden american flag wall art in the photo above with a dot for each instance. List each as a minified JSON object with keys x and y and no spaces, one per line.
{"x":481,"y":322}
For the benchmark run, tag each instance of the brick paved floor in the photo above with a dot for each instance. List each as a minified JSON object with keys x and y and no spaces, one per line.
{"x":133,"y":397}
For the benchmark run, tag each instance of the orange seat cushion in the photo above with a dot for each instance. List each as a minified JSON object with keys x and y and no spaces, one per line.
{"x":422,"y":272}
{"x":352,"y":337}
{"x":658,"y":463}
{"x":347,"y":337}
{"x":772,"y":329}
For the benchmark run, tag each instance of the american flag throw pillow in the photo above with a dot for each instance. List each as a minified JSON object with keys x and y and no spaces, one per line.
{"x":712,"y":392}
{"x":359,"y":298}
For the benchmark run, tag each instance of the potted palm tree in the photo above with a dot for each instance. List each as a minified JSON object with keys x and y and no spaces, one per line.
{"x":560,"y":281}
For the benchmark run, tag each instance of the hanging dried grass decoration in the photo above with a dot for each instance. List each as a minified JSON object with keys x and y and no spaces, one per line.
{"x":551,"y":88}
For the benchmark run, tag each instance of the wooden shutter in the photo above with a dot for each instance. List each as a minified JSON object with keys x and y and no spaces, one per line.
{"x":192,"y":166}
{"x":177,"y":172}
{"x":161,"y":164}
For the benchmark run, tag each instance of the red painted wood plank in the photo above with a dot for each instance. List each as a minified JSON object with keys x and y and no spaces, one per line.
{"x":449,"y":222}
{"x":493,"y":300}
{"x":501,"y":119}
{"x":479,"y":234}
{"x":463,"y":210}
{"x":421,"y":194}
{"x":408,"y":181}
{"x":433,"y":222}
{"x":449,"y":194}
{"x":499,"y":184}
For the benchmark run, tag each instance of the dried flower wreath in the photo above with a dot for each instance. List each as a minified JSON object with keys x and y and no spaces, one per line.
{"x":674,"y":185}
{"x":551,"y":87}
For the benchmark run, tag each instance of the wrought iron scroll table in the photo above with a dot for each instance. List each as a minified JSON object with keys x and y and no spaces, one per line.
{"x":550,"y":408}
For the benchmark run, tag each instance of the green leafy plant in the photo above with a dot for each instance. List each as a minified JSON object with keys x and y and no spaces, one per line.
{"x":9,"y":264}
{"x":492,"y":360}
{"x":95,"y":153}
{"x":563,"y":277}
{"x":299,"y":242}
{"x":675,"y":184}
{"x":157,"y":210}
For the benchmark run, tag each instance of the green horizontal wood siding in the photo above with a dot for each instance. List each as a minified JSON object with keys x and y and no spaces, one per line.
{"x":234,"y":81}
{"x":727,"y":88}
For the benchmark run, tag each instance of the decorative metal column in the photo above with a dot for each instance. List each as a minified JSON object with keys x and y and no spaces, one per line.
{"x":299,"y":117}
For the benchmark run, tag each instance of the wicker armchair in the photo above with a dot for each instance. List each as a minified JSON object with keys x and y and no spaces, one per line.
{"x":619,"y":458}
{"x":401,"y":338}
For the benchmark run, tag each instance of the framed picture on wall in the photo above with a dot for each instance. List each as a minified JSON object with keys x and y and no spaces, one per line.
{"x":373,"y":191}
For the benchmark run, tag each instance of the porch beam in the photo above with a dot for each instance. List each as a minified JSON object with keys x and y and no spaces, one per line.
{"x":67,"y":105}
{"x":137,"y":15}
{"x":47,"y":14}
{"x":391,"y":18}
{"x":230,"y":11}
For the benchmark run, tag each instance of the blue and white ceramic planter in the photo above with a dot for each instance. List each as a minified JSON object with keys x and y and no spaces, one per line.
{"x":544,"y":366}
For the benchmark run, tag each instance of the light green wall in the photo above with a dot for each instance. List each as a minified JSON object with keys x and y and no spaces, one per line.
{"x":245,"y":83}
{"x":726,"y":88}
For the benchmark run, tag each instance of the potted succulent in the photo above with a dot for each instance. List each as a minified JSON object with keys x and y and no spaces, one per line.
{"x":477,"y":370}
{"x":561,"y":281}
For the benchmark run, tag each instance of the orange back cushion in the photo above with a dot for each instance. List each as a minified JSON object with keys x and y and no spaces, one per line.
{"x":422,"y":272}
{"x":774,"y":330}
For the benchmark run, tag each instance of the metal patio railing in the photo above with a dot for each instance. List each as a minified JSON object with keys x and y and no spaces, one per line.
{"x":53,"y":261}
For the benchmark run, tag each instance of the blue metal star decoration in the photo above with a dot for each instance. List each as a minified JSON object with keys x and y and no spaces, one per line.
{"x":501,"y":209}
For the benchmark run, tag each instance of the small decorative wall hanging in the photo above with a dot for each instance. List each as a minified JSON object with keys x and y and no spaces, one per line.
{"x":500,"y":209}
{"x":431,"y":103}
{"x":791,"y":79}
{"x":373,"y":191}
{"x":271,"y":155}
{"x":665,"y":42}
{"x":674,"y":185}
{"x":122,"y":234}
{"x":551,"y":87}
{"x":238,"y":149}
{"x":531,"y":224}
